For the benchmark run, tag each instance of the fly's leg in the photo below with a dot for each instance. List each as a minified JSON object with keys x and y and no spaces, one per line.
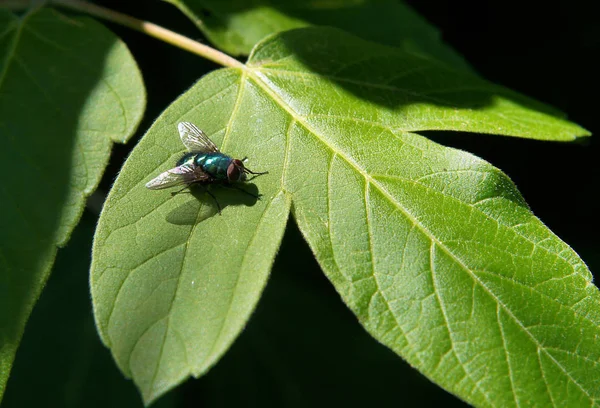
{"x":255,"y":176}
{"x":247,"y":170}
{"x":179,"y":191}
{"x":214,"y":198}
{"x":206,"y":190}
{"x":257,"y":196}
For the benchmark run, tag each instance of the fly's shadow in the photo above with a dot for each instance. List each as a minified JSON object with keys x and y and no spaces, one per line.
{"x":208,"y":201}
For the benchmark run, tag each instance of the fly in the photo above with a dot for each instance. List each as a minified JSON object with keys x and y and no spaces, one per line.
{"x":204,"y":164}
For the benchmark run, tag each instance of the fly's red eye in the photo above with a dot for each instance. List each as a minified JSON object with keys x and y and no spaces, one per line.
{"x":234,"y":171}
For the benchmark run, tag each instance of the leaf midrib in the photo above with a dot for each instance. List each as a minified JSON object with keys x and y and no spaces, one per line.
{"x":235,"y":108}
{"x":260,"y":80}
{"x":423,"y":95}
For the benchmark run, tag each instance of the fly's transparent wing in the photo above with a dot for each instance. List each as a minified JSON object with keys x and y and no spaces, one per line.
{"x":194,"y":139}
{"x":177,"y":176}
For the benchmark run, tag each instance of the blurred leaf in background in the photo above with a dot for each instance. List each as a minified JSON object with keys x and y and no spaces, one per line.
{"x":61,"y":361}
{"x":236,"y":26}
{"x":69,"y":89}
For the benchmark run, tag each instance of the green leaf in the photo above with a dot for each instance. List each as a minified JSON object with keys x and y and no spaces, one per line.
{"x":298,"y":343}
{"x":237,"y":25}
{"x":68,"y":89}
{"x":432,"y":248}
{"x":173,"y":282}
{"x":61,"y":356}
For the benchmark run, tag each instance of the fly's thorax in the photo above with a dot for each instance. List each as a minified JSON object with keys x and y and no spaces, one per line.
{"x":213,"y":164}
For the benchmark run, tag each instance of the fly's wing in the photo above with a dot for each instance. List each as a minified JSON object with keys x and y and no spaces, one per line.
{"x":177,"y":176}
{"x":194,"y":139}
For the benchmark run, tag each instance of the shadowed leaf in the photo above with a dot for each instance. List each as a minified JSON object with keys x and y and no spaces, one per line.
{"x":237,"y":25}
{"x":61,"y":356}
{"x":68,"y":89}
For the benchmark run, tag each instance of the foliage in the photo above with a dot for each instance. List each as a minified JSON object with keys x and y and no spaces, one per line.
{"x":433,"y":249}
{"x":69,"y":89}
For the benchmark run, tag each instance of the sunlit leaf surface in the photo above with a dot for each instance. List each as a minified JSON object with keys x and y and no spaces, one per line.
{"x":432,"y":248}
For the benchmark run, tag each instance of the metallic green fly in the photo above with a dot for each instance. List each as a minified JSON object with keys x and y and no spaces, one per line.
{"x":204,"y":165}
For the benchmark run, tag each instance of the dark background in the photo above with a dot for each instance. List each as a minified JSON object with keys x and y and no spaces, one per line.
{"x":302,"y":346}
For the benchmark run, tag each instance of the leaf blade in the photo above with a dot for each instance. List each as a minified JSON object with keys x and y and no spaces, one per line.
{"x":418,"y":239}
{"x":55,"y":71}
{"x":236,"y":27}
{"x":61,"y":346}
{"x":392,"y":191}
{"x":404,"y":85}
{"x":223,"y":290}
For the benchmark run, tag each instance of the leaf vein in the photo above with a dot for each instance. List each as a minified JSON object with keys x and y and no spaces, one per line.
{"x":131,"y":271}
{"x":357,"y":82}
{"x":366,"y":199}
{"x":511,"y":379}
{"x":238,"y":275}
{"x":12,"y":49}
{"x":543,"y":372}
{"x":234,"y":110}
{"x":286,"y":156}
{"x":447,"y":325}
{"x":182,"y":269}
{"x":263,"y":82}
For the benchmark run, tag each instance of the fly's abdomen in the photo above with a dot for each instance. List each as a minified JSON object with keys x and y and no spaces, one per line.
{"x":214,"y":164}
{"x":187,"y":159}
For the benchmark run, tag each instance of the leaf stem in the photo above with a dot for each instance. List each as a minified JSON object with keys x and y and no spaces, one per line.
{"x":152,"y":30}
